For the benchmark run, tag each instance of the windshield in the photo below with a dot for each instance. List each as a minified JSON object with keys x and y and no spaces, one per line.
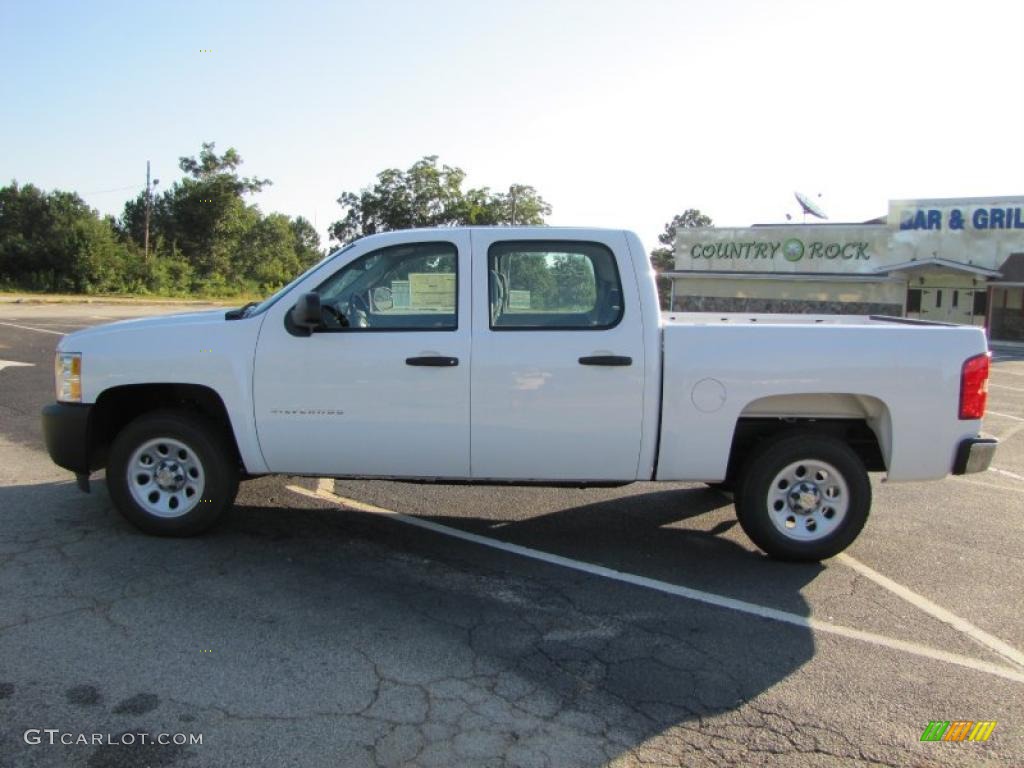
{"x":267,"y":303}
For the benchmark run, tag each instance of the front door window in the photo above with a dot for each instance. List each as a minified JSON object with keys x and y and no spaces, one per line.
{"x":400,"y":288}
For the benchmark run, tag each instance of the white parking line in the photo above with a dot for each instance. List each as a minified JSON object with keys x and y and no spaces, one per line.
{"x":697,"y":595}
{"x":1011,"y":373}
{"x":987,"y":485}
{"x":1003,"y":386}
{"x":921,"y":602}
{"x":14,"y":364}
{"x":1010,"y":433}
{"x":27,"y":328}
{"x":1004,"y":415}
{"x":1006,"y":472}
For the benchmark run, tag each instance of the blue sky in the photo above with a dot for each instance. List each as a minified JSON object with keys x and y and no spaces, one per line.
{"x":620,"y":113}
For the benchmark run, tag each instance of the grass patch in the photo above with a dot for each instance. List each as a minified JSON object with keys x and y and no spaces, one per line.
{"x":32,"y":297}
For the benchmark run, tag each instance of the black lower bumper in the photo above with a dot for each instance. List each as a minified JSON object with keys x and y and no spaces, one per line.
{"x":974,"y":455}
{"x":66,"y":433}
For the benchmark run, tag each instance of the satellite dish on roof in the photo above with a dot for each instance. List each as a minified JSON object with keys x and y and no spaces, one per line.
{"x":809,"y":206}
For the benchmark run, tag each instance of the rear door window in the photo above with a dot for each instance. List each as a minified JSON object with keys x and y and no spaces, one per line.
{"x":553,"y":285}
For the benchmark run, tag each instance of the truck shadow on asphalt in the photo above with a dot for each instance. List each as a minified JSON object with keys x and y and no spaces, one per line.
{"x":687,"y":537}
{"x":316,"y":613}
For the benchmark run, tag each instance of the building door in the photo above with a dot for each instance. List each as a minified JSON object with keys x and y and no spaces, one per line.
{"x":947,"y":305}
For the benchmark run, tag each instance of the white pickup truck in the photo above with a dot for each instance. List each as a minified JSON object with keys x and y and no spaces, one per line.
{"x":517,"y":355}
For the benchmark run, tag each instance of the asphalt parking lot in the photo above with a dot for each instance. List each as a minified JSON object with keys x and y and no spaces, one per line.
{"x":355,"y":623}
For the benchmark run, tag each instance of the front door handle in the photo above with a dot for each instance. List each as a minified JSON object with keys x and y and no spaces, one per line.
{"x":433,"y":361}
{"x":606,"y":360}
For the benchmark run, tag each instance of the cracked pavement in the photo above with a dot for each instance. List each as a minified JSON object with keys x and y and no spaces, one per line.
{"x":298,"y":633}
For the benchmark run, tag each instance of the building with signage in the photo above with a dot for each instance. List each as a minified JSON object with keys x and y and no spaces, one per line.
{"x":952,"y":260}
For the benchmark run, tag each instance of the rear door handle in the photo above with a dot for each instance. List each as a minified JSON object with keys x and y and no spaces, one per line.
{"x":433,"y":361}
{"x":606,"y":360}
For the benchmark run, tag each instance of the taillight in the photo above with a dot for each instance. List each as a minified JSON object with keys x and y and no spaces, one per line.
{"x":974,"y":387}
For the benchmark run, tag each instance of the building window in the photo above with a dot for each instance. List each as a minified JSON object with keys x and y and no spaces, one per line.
{"x":938,"y":298}
{"x":956,"y":299}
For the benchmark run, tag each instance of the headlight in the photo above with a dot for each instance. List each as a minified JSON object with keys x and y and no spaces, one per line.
{"x":67,"y":370}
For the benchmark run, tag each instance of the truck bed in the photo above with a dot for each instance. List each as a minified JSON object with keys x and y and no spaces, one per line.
{"x":744,"y":318}
{"x":902,"y":379}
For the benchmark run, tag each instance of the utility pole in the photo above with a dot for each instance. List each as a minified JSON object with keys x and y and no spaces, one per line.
{"x":149,"y":209}
{"x":512,"y":194}
{"x":145,"y":240}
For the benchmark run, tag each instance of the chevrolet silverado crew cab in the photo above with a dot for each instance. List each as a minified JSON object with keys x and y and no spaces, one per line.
{"x":517,"y":355}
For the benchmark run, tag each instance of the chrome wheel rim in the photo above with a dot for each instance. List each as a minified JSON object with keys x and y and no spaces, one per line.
{"x":808,"y":500}
{"x":166,"y":477}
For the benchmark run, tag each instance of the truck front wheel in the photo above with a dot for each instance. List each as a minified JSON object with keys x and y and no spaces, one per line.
{"x":171,"y":474}
{"x":803,"y":497}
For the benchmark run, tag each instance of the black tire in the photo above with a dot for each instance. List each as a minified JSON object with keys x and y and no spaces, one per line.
{"x":211,"y":452}
{"x":757,"y":484}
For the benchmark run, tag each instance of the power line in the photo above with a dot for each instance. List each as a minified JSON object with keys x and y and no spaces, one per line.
{"x":117,"y":189}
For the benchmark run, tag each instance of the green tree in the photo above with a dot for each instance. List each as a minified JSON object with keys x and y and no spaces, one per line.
{"x":429,"y":195}
{"x":275,"y":249}
{"x":663,"y":257}
{"x":205,"y":237}
{"x":210,"y":167}
{"x":205,"y":214}
{"x":530,"y":272}
{"x":574,"y":278}
{"x":306,"y":243}
{"x":204,"y":231}
{"x":193,"y":212}
{"x":55,"y":242}
{"x":24,"y":222}
{"x":520,"y":205}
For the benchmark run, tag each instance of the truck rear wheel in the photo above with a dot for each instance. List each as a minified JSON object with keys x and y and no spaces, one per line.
{"x":803,"y":497}
{"x":171,"y":474}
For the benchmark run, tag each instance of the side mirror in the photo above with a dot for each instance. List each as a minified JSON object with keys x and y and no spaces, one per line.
{"x":307,"y":313}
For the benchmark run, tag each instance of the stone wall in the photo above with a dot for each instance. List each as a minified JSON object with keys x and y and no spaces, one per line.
{"x":1007,"y":324}
{"x":783,"y":306}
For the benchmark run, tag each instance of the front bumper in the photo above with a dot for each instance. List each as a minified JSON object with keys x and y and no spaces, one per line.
{"x":66,"y":433}
{"x":974,"y":455}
